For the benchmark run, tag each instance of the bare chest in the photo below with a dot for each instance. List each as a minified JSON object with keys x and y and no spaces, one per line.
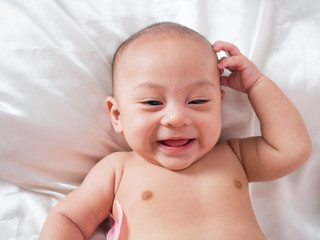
{"x":172,"y":203}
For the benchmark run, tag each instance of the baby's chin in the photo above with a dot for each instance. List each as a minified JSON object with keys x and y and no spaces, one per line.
{"x":176,"y":165}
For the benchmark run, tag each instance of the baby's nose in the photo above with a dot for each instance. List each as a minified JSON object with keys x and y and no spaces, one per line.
{"x":176,"y":117}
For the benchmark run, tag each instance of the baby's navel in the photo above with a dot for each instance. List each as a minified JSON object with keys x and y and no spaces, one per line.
{"x":146,"y":195}
{"x":238,"y":184}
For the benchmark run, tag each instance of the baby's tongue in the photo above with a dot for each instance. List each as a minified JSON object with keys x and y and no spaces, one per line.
{"x":176,"y":143}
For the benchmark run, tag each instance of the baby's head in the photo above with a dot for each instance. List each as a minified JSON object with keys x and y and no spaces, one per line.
{"x":167,"y":95}
{"x":156,"y":32}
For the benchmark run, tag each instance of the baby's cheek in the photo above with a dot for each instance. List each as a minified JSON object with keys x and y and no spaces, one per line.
{"x":211,"y":134}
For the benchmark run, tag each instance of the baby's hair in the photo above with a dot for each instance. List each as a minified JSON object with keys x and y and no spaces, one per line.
{"x":163,"y":30}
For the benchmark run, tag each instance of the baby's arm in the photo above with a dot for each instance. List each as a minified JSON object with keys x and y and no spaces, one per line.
{"x":79,"y":214}
{"x":285,"y":144}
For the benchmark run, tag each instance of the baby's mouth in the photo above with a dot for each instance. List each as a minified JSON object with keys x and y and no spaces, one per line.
{"x":176,"y":142}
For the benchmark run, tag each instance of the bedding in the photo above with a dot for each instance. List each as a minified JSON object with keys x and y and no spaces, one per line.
{"x":55,"y":73}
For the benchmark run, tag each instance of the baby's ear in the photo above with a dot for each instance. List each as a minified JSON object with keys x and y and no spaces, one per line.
{"x":114,"y":114}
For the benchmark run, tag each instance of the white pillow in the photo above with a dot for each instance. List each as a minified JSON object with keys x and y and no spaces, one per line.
{"x":54,"y":81}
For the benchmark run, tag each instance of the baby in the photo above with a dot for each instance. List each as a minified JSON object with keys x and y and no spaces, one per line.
{"x":179,"y":182}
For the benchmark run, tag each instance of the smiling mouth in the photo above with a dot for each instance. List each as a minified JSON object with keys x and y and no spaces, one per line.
{"x":176,"y":143}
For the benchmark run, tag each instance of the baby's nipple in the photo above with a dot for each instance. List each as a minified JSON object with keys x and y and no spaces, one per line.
{"x":238,"y":184}
{"x":146,"y":195}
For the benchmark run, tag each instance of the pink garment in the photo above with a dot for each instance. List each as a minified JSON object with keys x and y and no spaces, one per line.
{"x":114,"y":232}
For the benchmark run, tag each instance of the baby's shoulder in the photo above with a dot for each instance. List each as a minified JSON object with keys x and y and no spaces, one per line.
{"x":223,"y":152}
{"x":223,"y":157}
{"x":112,"y":165}
{"x":115,"y":158}
{"x":118,"y":155}
{"x":223,"y":148}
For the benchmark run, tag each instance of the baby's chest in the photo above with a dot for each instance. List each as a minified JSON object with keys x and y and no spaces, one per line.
{"x":165,"y":192}
{"x":208,"y":197}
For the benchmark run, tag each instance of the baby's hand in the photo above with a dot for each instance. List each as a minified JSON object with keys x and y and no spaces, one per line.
{"x":244,"y":74}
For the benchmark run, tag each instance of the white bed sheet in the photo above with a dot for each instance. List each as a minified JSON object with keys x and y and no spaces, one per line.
{"x":55,"y":74}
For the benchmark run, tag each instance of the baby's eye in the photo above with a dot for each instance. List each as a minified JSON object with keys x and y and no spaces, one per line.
{"x":199,"y":101}
{"x":152,"y":103}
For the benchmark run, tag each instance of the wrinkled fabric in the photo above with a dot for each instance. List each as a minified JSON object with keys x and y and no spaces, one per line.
{"x":55,"y":73}
{"x":114,"y":232}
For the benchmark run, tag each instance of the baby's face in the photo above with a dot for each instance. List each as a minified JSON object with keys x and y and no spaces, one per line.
{"x":168,"y":101}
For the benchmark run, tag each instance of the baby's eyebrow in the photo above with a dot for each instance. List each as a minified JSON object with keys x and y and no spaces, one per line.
{"x":148,"y":85}
{"x":200,"y":83}
{"x":204,"y":83}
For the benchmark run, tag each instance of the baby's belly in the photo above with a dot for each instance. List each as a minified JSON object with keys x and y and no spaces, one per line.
{"x":194,"y":226}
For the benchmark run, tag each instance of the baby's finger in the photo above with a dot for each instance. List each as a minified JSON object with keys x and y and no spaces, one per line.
{"x":229,"y":48}
{"x":231,"y":81}
{"x":232,"y":63}
{"x":230,"y":68}
{"x":220,"y":60}
{"x":224,"y":81}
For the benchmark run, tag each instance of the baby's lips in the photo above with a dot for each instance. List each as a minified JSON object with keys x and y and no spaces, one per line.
{"x":176,"y":142}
